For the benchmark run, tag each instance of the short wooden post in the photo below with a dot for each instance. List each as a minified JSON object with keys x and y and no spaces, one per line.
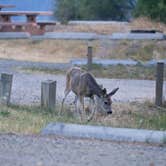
{"x":89,"y":57}
{"x":5,"y":88}
{"x":159,"y":83}
{"x":48,"y":94}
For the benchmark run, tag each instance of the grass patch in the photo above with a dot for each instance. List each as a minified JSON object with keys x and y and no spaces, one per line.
{"x":119,"y":71}
{"x":64,"y":50}
{"x":125,"y":72}
{"x":30,"y":120}
{"x":136,"y":115}
{"x":41,"y":70}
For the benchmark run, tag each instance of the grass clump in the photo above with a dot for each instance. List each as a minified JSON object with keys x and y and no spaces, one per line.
{"x":124,"y":71}
{"x":31,"y":119}
{"x":136,"y":115}
{"x":28,"y":119}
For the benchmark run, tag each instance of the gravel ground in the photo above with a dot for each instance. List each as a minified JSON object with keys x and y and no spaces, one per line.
{"x":54,"y":151}
{"x":27,"y":86}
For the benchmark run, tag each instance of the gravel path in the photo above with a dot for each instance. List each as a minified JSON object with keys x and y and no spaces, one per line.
{"x":54,"y":151}
{"x":27,"y":86}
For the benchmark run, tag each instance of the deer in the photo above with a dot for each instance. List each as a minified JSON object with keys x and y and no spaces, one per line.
{"x":83,"y":84}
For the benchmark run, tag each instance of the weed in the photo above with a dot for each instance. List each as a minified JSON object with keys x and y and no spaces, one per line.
{"x":4,"y":113}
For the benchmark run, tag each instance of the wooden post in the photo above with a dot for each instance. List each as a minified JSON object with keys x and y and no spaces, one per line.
{"x":5,"y":88}
{"x":48,"y":94}
{"x":159,"y":83}
{"x":89,"y":56}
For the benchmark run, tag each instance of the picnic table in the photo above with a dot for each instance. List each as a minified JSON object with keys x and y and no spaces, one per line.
{"x":31,"y":25}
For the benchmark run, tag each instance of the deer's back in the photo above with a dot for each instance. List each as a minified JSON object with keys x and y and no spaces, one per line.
{"x":82,"y":83}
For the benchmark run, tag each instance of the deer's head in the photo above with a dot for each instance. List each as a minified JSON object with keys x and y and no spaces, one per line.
{"x":105,"y":102}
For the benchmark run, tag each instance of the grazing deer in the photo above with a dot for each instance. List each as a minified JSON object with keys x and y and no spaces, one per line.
{"x":83,"y":84}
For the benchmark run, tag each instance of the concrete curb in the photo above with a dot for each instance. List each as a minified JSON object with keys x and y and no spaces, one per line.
{"x":82,"y":36}
{"x":105,"y":133}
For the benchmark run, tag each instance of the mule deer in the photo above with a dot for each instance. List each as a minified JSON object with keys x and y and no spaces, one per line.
{"x":83,"y":84}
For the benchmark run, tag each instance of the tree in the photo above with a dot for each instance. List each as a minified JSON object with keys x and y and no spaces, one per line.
{"x":65,"y":10}
{"x":154,"y":9}
{"x":93,"y":9}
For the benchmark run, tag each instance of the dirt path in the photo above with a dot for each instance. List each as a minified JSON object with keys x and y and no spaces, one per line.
{"x":53,"y":151}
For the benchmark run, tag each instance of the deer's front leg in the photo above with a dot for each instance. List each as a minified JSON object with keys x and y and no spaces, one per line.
{"x":81,"y":110}
{"x":92,"y":102}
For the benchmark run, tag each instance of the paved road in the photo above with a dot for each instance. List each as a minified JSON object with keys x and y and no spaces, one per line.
{"x":54,"y":151}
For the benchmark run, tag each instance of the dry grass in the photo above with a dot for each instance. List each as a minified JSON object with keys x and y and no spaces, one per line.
{"x":135,"y":115}
{"x":43,"y":51}
{"x":139,"y":23}
{"x":30,"y":120}
{"x":145,"y":23}
{"x":93,"y":28}
{"x":119,"y":71}
{"x":65,"y":50}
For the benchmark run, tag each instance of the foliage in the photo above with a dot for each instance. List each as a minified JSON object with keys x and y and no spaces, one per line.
{"x":93,"y":10}
{"x":151,"y":8}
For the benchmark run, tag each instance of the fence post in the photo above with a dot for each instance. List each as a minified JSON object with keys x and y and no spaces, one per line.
{"x":5,"y":88}
{"x":89,"y":56}
{"x":159,"y":83}
{"x":48,"y":94}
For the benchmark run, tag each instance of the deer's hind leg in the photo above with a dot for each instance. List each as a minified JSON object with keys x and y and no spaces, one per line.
{"x":81,"y":107}
{"x":67,"y":91}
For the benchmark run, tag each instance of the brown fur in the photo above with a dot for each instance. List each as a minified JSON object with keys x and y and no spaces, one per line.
{"x":83,"y":84}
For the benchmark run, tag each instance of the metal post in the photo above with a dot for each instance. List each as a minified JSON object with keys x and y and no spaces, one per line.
{"x":89,"y":56}
{"x":159,"y":83}
{"x":48,"y":94}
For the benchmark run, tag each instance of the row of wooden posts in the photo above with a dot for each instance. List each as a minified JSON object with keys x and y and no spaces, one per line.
{"x":48,"y":91}
{"x":48,"y":88}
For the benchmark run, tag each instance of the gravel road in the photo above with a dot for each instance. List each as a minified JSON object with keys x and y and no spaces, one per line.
{"x":27,"y":86}
{"x":16,"y":150}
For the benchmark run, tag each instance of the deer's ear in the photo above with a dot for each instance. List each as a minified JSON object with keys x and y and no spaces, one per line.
{"x":104,"y":91}
{"x":113,"y":92}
